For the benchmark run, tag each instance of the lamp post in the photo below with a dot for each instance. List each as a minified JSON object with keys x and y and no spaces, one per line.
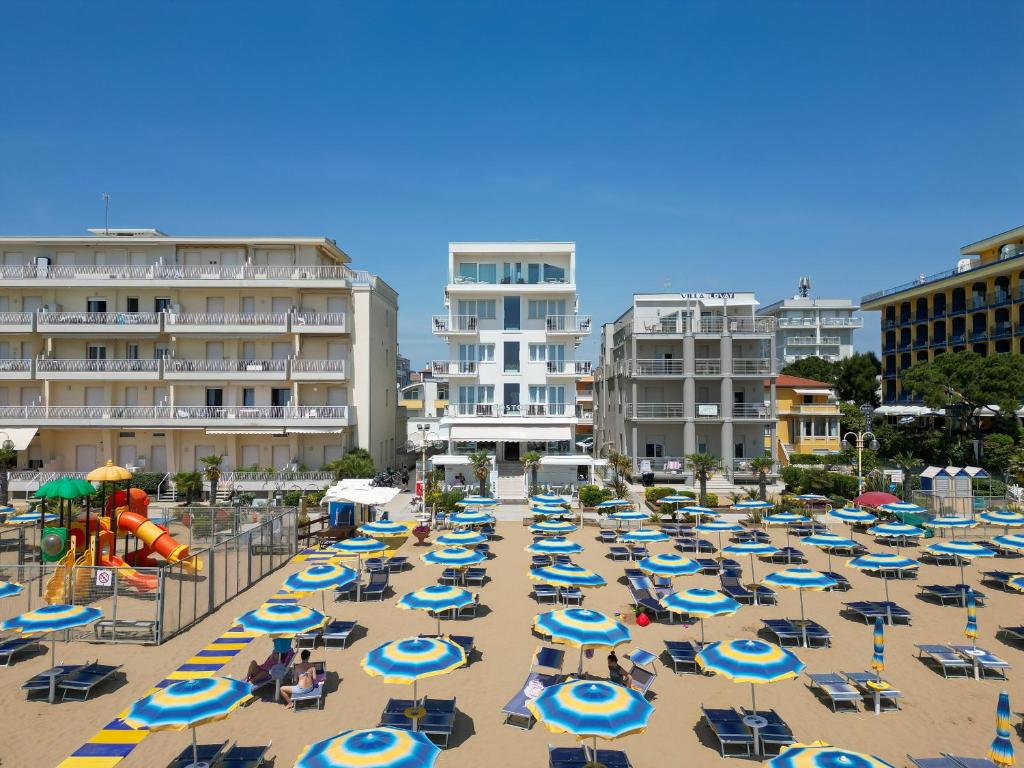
{"x":7,"y":446}
{"x":859,"y":439}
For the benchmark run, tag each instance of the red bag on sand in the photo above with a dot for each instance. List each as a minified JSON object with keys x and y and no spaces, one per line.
{"x":642,"y":620}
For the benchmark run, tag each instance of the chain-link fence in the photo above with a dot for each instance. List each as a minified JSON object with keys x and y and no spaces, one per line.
{"x":152,"y":604}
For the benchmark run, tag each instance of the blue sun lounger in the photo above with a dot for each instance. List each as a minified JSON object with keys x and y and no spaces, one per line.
{"x":776,"y":734}
{"x":12,"y":646}
{"x":80,"y":684}
{"x":207,"y":753}
{"x":837,"y":690}
{"x":437,"y":724}
{"x":951,"y":761}
{"x":727,"y":726}
{"x":683,"y":655}
{"x":545,"y":592}
{"x":567,"y":757}
{"x":545,"y":671}
{"x":244,"y":757}
{"x":609,"y":758}
{"x":337,"y":632}
{"x":869,"y":610}
{"x":945,"y":658}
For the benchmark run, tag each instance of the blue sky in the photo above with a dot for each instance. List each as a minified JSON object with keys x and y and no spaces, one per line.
{"x":705,"y":146}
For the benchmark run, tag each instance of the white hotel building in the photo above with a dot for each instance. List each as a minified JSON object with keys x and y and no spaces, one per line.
{"x":154,"y":351}
{"x":512,"y":328}
{"x":809,"y":327}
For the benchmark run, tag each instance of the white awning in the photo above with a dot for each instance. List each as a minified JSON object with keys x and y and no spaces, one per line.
{"x":314,"y":431}
{"x":803,"y":391}
{"x":574,"y":461}
{"x":365,"y":496}
{"x":509,"y":434}
{"x":441,"y":461}
{"x":268,"y":431}
{"x":20,"y":436}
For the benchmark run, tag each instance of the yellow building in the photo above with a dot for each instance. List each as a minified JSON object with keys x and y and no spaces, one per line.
{"x":808,"y":418}
{"x":977,"y":305}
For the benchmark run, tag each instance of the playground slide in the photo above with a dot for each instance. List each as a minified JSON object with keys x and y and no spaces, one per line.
{"x":56,"y":588}
{"x":158,"y":539}
{"x":131,"y":577}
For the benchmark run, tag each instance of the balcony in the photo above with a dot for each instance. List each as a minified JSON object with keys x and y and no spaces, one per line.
{"x":487,"y":410}
{"x":667,"y":465}
{"x":1002,"y":330}
{"x":938,"y":341}
{"x":303,"y":369}
{"x":938,"y":313}
{"x":197,"y":416}
{"x":538,"y":409}
{"x":15,"y":368}
{"x":797,"y":322}
{"x":189,"y":274}
{"x":919,"y":318}
{"x":654,"y":411}
{"x":737,"y":325}
{"x":751,"y":366}
{"x":444,"y":368}
{"x":755,"y":411}
{"x":178,"y":323}
{"x":707,"y":366}
{"x":708,"y":411}
{"x":576,"y":325}
{"x":842,"y":322}
{"x":888,"y":349}
{"x":1001,"y":298}
{"x":319,"y":322}
{"x":958,"y":309}
{"x":85,"y":369}
{"x":957,"y":338}
{"x":663,"y":326}
{"x":17,"y":322}
{"x":905,"y":346}
{"x":905,"y":320}
{"x":888,"y":324}
{"x":449,"y":325}
{"x":566,"y":367}
{"x":979,"y":335}
{"x":979,"y":301}
{"x":889,"y":373}
{"x":921,"y":343}
{"x":182,"y":369}
{"x":92,"y":323}
{"x":655,"y":368}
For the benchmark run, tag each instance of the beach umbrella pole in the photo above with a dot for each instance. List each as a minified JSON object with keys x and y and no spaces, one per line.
{"x":195,"y":748}
{"x":888,"y":606}
{"x":702,"y":632}
{"x":803,"y":621}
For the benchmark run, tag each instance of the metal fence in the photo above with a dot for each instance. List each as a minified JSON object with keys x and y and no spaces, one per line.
{"x":151,"y":605}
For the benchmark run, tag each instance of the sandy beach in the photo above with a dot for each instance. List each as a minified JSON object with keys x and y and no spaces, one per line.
{"x":938,"y":715}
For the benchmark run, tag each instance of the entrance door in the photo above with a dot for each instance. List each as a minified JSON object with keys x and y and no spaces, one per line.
{"x":126,"y":455}
{"x":158,"y":458}
{"x":511,"y":451}
{"x":281,"y":305}
{"x":203,"y":450}
{"x":85,"y":458}
{"x":95,"y":396}
{"x":281,"y":456}
{"x":250,"y":455}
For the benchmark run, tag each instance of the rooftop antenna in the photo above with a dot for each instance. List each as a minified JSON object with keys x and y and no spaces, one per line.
{"x":106,"y":213}
{"x":804,"y":287}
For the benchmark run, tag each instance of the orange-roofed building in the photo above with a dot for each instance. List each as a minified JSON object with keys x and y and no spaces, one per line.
{"x":808,"y":415}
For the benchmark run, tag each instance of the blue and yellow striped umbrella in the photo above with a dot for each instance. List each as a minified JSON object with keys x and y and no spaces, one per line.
{"x":320,"y":578}
{"x":1001,"y":751}
{"x":752,"y":548}
{"x":476,"y":501}
{"x":800,"y":579}
{"x":700,"y":512}
{"x":784,"y":518}
{"x":281,"y":620}
{"x":437,"y":598}
{"x":568,"y":575}
{"x":414,"y":658}
{"x":853,"y":515}
{"x":822,"y":755}
{"x":749,"y":661}
{"x":811,"y":498}
{"x":883,"y":561}
{"x":383,"y":528}
{"x":51,"y":618}
{"x":901,"y":530}
{"x":828,"y":542}
{"x":549,"y":510}
{"x":753,"y":504}
{"x":701,"y":604}
{"x":903,"y":506}
{"x":460,"y":539}
{"x":31,"y":518}
{"x":188,"y":703}
{"x":643,"y":536}
{"x":556,"y":545}
{"x":1005,"y":517}
{"x":581,"y":628}
{"x":669,"y":565}
{"x":630,"y":514}
{"x":552,"y":526}
{"x":547,"y":498}
{"x":1016,"y":582}
{"x":359,"y":545}
{"x":719,"y":526}
{"x":454,"y":557}
{"x":1012,"y":541}
{"x":591,"y":709}
{"x":10,"y":588}
{"x":967,"y":549}
{"x":371,"y":748}
{"x":971,"y":628}
{"x":878,"y":646}
{"x":471,"y":517}
{"x":613,"y":503}
{"x":677,"y":499}
{"x":953,"y":524}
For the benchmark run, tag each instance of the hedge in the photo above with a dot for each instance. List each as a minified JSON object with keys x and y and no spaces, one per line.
{"x":658,"y":492}
{"x":592,"y":495}
{"x":817,"y":480}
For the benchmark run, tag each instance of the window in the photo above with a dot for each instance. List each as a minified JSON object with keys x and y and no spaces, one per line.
{"x":512,"y":272}
{"x":131,"y":351}
{"x":512,"y":313}
{"x":553,"y":274}
{"x":533,"y":273}
{"x":538,"y":394}
{"x":96,"y":305}
{"x":485,"y":353}
{"x":161,"y":303}
{"x":485,"y":309}
{"x":96,"y":352}
{"x":511,"y":391}
{"x":280,"y":396}
{"x":131,"y":304}
{"x":538,"y":353}
{"x":214,"y":397}
{"x":808,"y":399}
{"x":473,"y":272}
{"x":538,"y":309}
{"x":654,"y":450}
{"x":511,"y":357}
{"x":248,"y":397}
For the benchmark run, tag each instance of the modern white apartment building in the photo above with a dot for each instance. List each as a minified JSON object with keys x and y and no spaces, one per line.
{"x":425,"y":401}
{"x":512,"y":327}
{"x":684,"y":373}
{"x":154,"y":351}
{"x":810,"y":327}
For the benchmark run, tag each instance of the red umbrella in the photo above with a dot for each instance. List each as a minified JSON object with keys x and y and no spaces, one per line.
{"x":875,"y":499}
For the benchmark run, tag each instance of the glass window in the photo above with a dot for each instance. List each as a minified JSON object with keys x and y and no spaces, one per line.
{"x":467,"y":353}
{"x":553,"y":273}
{"x":556,"y":352}
{"x":485,"y":353}
{"x":485,"y":394}
{"x":467,"y":271}
{"x":511,"y":396}
{"x":487,"y":273}
{"x":536,"y":309}
{"x":486,"y":310}
{"x":512,"y":313}
{"x":538,"y":353}
{"x":248,"y":396}
{"x":511,"y":357}
{"x":538,"y":394}
{"x":533,"y":273}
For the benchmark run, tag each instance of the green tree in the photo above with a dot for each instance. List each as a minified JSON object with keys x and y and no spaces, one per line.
{"x":481,"y":463}
{"x":1015,"y":467}
{"x":704,"y":467}
{"x":354,"y":464}
{"x":998,"y":449}
{"x":189,"y":485}
{"x":212,"y":466}
{"x":621,"y":465}
{"x":531,"y":463}
{"x":856,"y":378}
{"x":815,"y":368}
{"x":762,"y":465}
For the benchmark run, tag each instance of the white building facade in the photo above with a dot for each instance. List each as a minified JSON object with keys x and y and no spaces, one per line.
{"x":512,"y":328}
{"x":684,"y":373}
{"x":807,"y":327}
{"x":154,"y":351}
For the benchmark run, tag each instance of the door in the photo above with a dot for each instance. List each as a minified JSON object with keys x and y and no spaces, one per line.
{"x":131,"y":397}
{"x":85,"y":458}
{"x":281,"y":305}
{"x":215,"y":305}
{"x":161,"y":396}
{"x":337,"y":396}
{"x":336,"y":304}
{"x":250,"y":455}
{"x":126,"y":455}
{"x":131,"y":304}
{"x":96,"y":352}
{"x":158,"y":458}
{"x":33,"y":304}
{"x":511,"y":394}
{"x":511,"y":451}
{"x":26,"y":350}
{"x":203,"y":450}
{"x":512,"y":313}
{"x":281,"y":456}
{"x":214,"y":397}
{"x":248,"y":305}
{"x":161,"y":303}
{"x":95,"y":396}
{"x":280,"y":396}
{"x":336,"y":350}
{"x":281,"y":350}
{"x":332,"y":452}
{"x":96,"y":305}
{"x":215,"y":350}
{"x":248,"y":350}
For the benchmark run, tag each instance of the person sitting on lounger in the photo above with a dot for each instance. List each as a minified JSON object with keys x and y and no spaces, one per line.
{"x":305,"y":680}
{"x":258,"y":673}
{"x":616,"y":674}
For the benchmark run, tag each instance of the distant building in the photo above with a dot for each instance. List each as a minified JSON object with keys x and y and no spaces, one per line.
{"x":808,"y":418}
{"x":977,"y":305}
{"x":812,"y":327}
{"x":425,"y":402}
{"x":404,"y":371}
{"x":585,"y":407}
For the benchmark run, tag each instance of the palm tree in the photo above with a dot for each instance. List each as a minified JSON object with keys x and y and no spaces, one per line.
{"x":621,"y":466}
{"x":906,"y":461}
{"x":189,"y":484}
{"x":704,"y":467}
{"x":481,"y":462}
{"x":212,"y":472}
{"x":531,"y":463}
{"x":1015,"y":467}
{"x":762,"y":465}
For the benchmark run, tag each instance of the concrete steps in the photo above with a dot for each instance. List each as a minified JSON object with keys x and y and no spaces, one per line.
{"x":510,"y":485}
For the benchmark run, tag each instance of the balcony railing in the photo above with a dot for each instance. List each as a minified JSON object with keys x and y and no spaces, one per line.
{"x":654,"y":410}
{"x":751,"y":367}
{"x":656,"y":367}
{"x":584,"y":367}
{"x":584,"y":394}
{"x":708,"y":410}
{"x":801,"y":341}
{"x":232,"y":478}
{"x":175,"y":272}
{"x":751,"y":411}
{"x":661,"y":464}
{"x":1002,"y":330}
{"x":175,"y":413}
{"x":15,"y":365}
{"x":933,"y":278}
{"x":757,"y":325}
{"x":81,"y":365}
{"x":444,"y":324}
{"x":567,"y":323}
{"x":99,"y":318}
{"x":938,"y":341}
{"x":472,"y":409}
{"x":663,"y":325}
{"x":223,"y":365}
{"x":842,"y":322}
{"x":979,"y":335}
{"x":829,"y":409}
{"x":304,"y":365}
{"x":707,"y":366}
{"x":938,"y":313}
{"x":253,"y":319}
{"x":979,"y":301}
{"x":541,"y":409}
{"x":16,"y":318}
{"x":457,"y":367}
{"x":333,"y":320}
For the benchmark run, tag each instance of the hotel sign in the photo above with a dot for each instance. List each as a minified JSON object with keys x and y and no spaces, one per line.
{"x":730,"y":295}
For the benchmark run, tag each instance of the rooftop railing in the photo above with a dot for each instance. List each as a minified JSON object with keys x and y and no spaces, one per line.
{"x":177,"y":272}
{"x":169,"y":413}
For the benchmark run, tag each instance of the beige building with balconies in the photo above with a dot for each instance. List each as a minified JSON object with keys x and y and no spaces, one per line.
{"x":154,"y":351}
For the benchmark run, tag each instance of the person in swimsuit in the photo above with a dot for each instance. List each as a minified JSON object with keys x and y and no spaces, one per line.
{"x":616,"y":674}
{"x":305,"y":680}
{"x":257,"y":674}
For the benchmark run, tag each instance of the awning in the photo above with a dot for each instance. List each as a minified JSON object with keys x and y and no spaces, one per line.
{"x":509,"y":434}
{"x":20,"y":436}
{"x":365,"y":496}
{"x":803,"y":391}
{"x":441,"y":461}
{"x":278,"y":432}
{"x":574,"y":461}
{"x":315,"y":430}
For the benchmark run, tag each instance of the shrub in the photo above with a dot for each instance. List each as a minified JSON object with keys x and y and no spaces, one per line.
{"x":658,"y":492}
{"x":147,"y":481}
{"x":444,"y":501}
{"x":712,"y":499}
{"x":201,"y":526}
{"x":809,"y":458}
{"x":592,"y":495}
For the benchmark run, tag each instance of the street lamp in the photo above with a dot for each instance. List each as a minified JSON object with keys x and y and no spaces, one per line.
{"x":8,"y":446}
{"x":858,"y":441}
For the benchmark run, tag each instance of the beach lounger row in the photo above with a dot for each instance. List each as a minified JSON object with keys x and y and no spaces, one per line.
{"x":12,"y":646}
{"x":223,"y":756}
{"x":792,"y":631}
{"x":732,"y":734}
{"x":75,"y":681}
{"x":334,"y":634}
{"x":1000,"y":579}
{"x":683,"y":655}
{"x":964,"y":658}
{"x":788,"y":555}
{"x":466,"y":642}
{"x":846,"y":691}
{"x":734,"y":588}
{"x":391,"y":564}
{"x":869,"y":610}
{"x":546,"y":593}
{"x":692,"y":546}
{"x":437,"y":724}
{"x":472,"y":576}
{"x":951,"y":761}
{"x":955,"y":594}
{"x":582,"y":757}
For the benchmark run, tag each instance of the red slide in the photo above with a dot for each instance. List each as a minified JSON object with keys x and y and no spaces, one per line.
{"x":157,"y":539}
{"x":141,"y":582}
